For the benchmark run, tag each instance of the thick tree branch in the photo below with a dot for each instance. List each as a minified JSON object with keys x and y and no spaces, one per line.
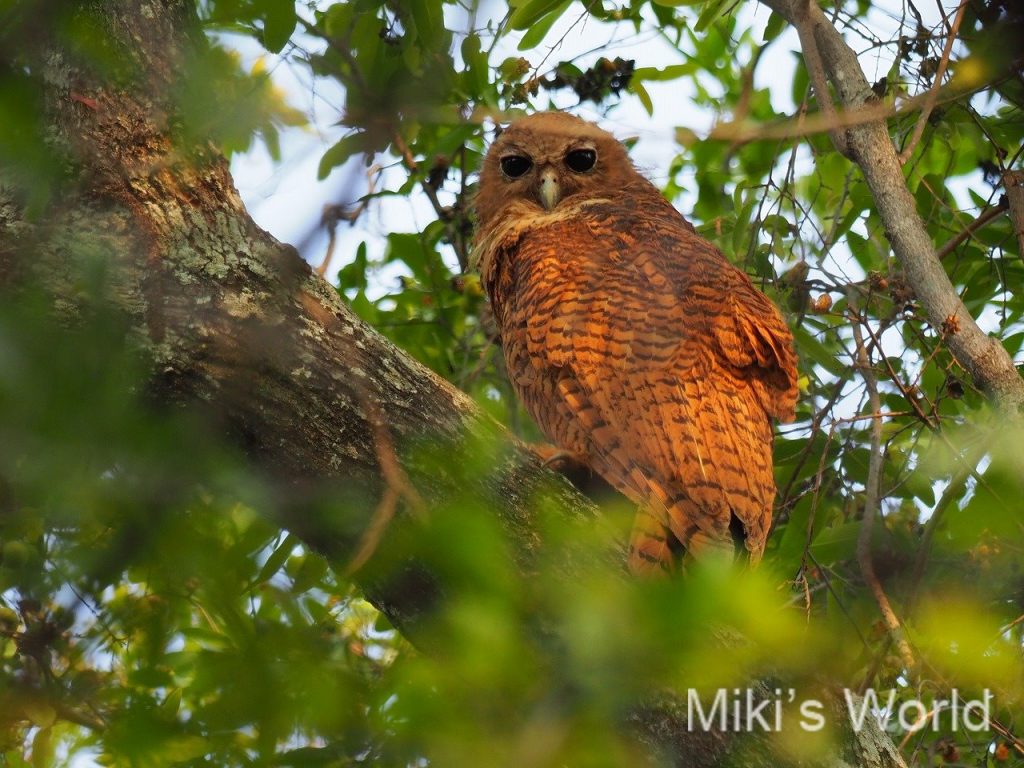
{"x":871,"y":148}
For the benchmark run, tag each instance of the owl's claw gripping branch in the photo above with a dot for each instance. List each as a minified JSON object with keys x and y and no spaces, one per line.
{"x":554,"y":457}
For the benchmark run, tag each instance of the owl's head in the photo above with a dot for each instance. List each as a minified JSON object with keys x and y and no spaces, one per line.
{"x":548,"y":159}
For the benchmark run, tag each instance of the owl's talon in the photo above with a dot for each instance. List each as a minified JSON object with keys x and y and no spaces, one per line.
{"x":560,"y":457}
{"x":553,"y":457}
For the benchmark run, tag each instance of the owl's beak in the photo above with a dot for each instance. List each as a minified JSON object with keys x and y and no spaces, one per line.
{"x":550,"y":192}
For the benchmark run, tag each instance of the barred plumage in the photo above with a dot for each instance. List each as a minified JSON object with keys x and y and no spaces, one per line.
{"x":631,"y":340}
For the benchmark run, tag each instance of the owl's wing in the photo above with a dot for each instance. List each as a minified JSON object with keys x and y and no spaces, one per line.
{"x":674,"y":363}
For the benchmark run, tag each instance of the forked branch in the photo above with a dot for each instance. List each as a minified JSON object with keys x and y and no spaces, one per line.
{"x":870,"y":146}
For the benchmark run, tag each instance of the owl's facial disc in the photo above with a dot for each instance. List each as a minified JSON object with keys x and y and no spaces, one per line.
{"x":549,"y":190}
{"x":561,"y":178}
{"x":549,"y":169}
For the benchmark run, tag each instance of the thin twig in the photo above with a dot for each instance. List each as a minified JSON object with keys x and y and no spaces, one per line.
{"x":1005,"y":732}
{"x":409,"y":161}
{"x":812,"y":58}
{"x":332,"y":214}
{"x":925,"y":419}
{"x":382,"y":517}
{"x":933,"y":92}
{"x":801,"y":126}
{"x":952,"y":490}
{"x":921,"y":721}
{"x":871,"y":497}
{"x":446,"y":215}
{"x":823,"y":572}
{"x":904,"y":390}
{"x":805,"y":453}
{"x":818,"y":476}
{"x":398,"y":488}
{"x":742,"y":132}
{"x":983,"y":219}
{"x":876,"y":663}
{"x":1019,"y":620}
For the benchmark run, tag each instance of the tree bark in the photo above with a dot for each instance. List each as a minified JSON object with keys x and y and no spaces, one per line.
{"x":236,"y":323}
{"x":871,"y":148}
{"x":1013,"y":183}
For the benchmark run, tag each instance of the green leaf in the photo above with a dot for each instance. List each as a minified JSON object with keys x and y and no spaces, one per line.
{"x":686,"y":137}
{"x":353,"y":275}
{"x":337,"y":20}
{"x":382,"y":624}
{"x":39,"y":712}
{"x":813,"y":350}
{"x":777,"y":224}
{"x":537,"y":31}
{"x":363,"y":307}
{"x":278,"y":24}
{"x":339,"y":153}
{"x":310,"y":573}
{"x":171,"y":704}
{"x":918,"y":485}
{"x":43,"y":748}
{"x":712,"y":11}
{"x":774,"y":27}
{"x":277,"y":558}
{"x":428,"y":19}
{"x":531,"y":11}
{"x":859,"y":247}
{"x":671,"y":72}
{"x":836,"y":543}
{"x":477,"y":73}
{"x":637,"y":88}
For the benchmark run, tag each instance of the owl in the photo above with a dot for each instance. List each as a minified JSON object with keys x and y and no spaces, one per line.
{"x":632,"y":341}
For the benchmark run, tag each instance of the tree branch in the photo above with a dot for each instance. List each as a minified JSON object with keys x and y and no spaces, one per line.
{"x":983,"y":219}
{"x":805,"y":31}
{"x":872,"y":150}
{"x":933,"y":92}
{"x":1013,"y":182}
{"x":871,"y":494}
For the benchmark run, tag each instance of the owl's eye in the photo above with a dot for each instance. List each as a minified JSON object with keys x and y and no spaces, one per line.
{"x":515,"y":166}
{"x":581,"y":160}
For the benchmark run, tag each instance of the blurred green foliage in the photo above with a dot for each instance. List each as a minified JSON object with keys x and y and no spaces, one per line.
{"x":151,"y":615}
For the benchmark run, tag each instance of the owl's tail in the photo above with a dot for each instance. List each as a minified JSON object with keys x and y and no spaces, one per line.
{"x":650,"y":544}
{"x":655,"y":549}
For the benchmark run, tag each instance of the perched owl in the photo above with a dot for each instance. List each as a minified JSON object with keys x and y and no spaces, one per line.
{"x":632,"y":341}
